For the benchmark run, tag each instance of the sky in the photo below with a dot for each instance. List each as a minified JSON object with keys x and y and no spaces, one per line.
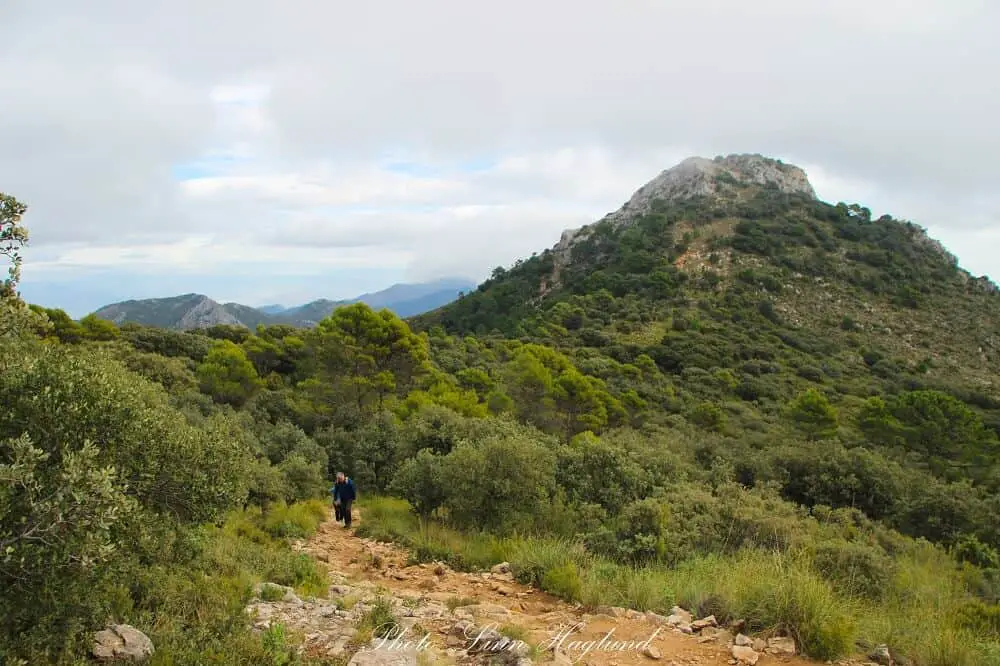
{"x":277,"y":152}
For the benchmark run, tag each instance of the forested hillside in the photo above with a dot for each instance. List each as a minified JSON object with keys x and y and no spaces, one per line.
{"x":752,"y":403}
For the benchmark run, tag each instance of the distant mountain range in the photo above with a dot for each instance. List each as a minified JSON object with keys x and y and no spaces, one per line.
{"x":190,"y":311}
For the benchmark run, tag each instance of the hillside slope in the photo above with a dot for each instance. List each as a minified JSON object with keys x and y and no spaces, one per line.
{"x":714,"y":260}
{"x":697,"y":404}
{"x":180,"y":312}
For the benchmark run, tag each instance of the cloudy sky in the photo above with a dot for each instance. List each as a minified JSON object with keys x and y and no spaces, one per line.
{"x":265,"y":151}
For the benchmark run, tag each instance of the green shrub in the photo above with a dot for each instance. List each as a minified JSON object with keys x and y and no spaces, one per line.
{"x":980,"y":618}
{"x":271,"y":593}
{"x":299,"y":520}
{"x":380,"y":619}
{"x":857,"y":569}
{"x":563,"y":581}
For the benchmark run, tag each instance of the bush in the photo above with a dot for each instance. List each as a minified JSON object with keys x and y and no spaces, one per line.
{"x":857,"y":569}
{"x":980,"y":618}
{"x":563,"y":581}
{"x":80,"y":435}
{"x":298,"y":520}
{"x":499,"y":483}
{"x":379,"y":620}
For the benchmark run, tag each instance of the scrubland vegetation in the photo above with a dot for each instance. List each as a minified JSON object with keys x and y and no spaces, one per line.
{"x":761,"y":407}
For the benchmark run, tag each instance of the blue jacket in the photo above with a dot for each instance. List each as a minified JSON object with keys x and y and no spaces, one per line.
{"x":344,"y":491}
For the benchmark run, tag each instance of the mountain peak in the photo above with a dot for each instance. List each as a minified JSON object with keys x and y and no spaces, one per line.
{"x":700,"y":176}
{"x":189,"y":311}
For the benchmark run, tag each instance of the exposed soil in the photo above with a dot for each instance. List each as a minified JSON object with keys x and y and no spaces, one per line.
{"x":495,"y":599}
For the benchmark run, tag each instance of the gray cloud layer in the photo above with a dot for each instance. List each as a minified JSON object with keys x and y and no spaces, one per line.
{"x":578,"y":102}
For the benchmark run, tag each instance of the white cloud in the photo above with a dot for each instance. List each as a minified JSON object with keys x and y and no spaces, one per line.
{"x":195,"y":254}
{"x":296,"y":117}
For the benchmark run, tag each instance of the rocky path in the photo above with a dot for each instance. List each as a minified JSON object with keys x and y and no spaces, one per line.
{"x":479,"y":618}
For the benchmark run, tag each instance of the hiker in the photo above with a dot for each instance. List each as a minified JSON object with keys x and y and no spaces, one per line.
{"x":343,"y":496}
{"x":337,"y":515}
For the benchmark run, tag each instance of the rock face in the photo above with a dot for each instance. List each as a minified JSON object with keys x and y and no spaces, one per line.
{"x":204,"y":313}
{"x":122,"y":642}
{"x":700,"y":176}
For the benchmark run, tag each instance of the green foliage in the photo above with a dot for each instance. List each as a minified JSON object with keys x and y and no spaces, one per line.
{"x":935,"y":426}
{"x":62,"y":398}
{"x":297,"y":520}
{"x":98,"y":329}
{"x":13,"y":236}
{"x":753,"y":405}
{"x":379,"y":620}
{"x":176,"y":375}
{"x":58,"y":520}
{"x":813,"y":414}
{"x":498,"y":483}
{"x":639,"y":535}
{"x":708,"y":416}
{"x":227,"y":374}
{"x":420,"y":481}
{"x":371,"y":355}
{"x":563,"y":581}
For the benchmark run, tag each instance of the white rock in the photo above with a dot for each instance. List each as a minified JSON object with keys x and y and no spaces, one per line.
{"x":781,"y":645}
{"x":745,"y":655}
{"x":122,"y":641}
{"x":502,"y":568}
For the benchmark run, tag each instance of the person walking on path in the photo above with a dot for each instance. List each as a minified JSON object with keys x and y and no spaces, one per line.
{"x":336,"y":503}
{"x":344,"y":494}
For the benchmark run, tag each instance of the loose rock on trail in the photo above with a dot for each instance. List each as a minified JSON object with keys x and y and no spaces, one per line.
{"x":453,"y":617}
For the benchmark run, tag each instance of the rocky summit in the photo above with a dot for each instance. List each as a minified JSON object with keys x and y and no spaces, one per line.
{"x":699,"y":177}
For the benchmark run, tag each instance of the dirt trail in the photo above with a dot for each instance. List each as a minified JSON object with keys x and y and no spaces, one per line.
{"x":438,"y":605}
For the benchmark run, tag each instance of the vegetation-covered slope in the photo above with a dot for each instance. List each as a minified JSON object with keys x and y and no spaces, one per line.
{"x":672,"y":410}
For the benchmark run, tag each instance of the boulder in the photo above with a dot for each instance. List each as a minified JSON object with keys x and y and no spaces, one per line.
{"x":122,"y":641}
{"x":680,"y":612}
{"x":880,"y":655}
{"x":745,"y":655}
{"x":462,"y":629}
{"x":656,"y":618}
{"x":676,"y":619}
{"x":704,"y":623}
{"x":718,"y":635}
{"x":781,"y":645}
{"x":486,"y":639}
{"x":502,"y":568}
{"x":652,"y":652}
{"x":612,"y":611}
